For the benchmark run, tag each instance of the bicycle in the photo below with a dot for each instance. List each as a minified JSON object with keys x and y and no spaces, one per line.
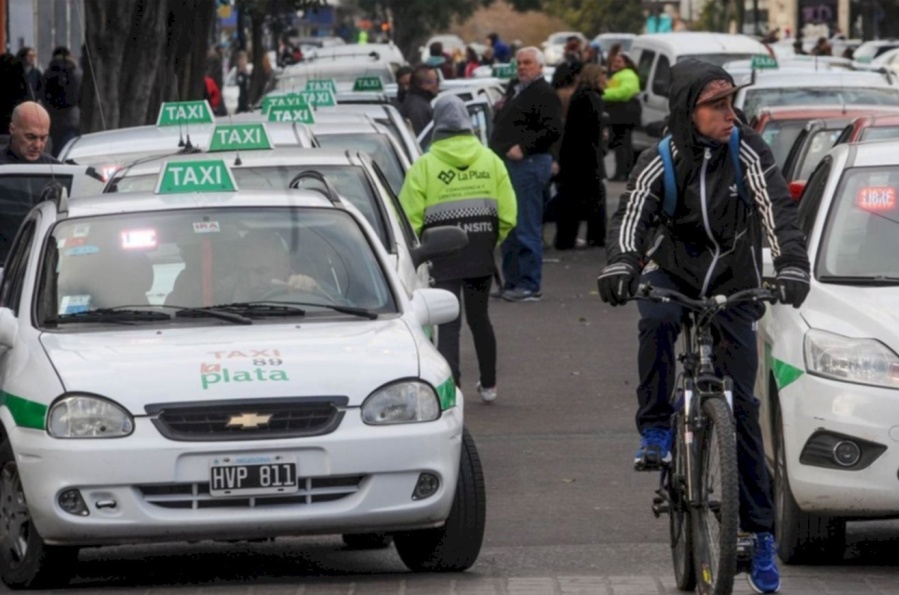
{"x":699,"y":489}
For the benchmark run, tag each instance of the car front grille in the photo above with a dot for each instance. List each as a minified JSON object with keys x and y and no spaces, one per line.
{"x":195,"y":496}
{"x":248,"y":419}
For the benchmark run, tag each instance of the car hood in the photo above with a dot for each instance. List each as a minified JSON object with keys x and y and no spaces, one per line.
{"x":138,"y":367}
{"x":854,"y":311}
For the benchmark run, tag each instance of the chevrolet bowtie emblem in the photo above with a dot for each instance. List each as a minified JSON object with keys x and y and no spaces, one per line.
{"x":248,"y":421}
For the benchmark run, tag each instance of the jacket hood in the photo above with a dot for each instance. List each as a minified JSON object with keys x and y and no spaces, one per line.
{"x":688,"y":78}
{"x":459,"y":151}
{"x":451,"y":115}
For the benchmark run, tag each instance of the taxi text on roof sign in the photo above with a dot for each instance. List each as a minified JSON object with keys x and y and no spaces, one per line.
{"x":321,"y":98}
{"x":763,"y":62}
{"x":321,"y":85}
{"x":210,"y":175}
{"x":505,"y":71}
{"x":288,"y":113}
{"x":368,"y":83}
{"x":293,"y":99}
{"x":239,"y":137}
{"x":173,"y":113}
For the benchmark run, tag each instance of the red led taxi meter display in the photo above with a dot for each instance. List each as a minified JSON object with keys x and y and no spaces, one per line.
{"x":876,"y":198}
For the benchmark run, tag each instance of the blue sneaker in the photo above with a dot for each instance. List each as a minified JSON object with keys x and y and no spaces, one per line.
{"x":654,"y":451}
{"x":765,"y":576}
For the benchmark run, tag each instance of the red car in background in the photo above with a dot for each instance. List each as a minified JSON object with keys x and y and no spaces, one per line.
{"x":780,"y":126}
{"x":870,"y":127}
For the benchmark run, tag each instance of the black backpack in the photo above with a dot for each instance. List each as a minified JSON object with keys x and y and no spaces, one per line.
{"x":58,"y":91}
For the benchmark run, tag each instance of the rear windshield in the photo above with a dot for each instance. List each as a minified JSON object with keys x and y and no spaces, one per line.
{"x":756,"y":99}
{"x":818,"y":145}
{"x":780,"y":136}
{"x":880,"y":133}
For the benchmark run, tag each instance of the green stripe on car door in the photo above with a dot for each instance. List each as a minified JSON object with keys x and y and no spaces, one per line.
{"x":446,"y":392}
{"x":27,"y":414}
{"x":784,"y":373}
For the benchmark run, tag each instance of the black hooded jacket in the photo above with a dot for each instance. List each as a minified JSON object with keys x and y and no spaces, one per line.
{"x":713,"y":242}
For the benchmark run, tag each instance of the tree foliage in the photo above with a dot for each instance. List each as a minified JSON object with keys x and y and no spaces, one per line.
{"x":598,"y":16}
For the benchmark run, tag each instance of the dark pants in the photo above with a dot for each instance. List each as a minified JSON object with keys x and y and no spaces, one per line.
{"x":473,"y":295}
{"x":623,"y":143}
{"x":736,"y":355}
{"x":578,"y":204}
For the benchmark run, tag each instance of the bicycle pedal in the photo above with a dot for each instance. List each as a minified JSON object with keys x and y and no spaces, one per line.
{"x":659,"y":509}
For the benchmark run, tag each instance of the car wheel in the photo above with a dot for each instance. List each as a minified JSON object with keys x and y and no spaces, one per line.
{"x":802,"y":538}
{"x":455,"y":546}
{"x":25,"y":561}
{"x":367,"y":541}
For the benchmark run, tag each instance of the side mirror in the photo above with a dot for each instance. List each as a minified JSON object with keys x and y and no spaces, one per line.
{"x":439,"y":241}
{"x":434,"y":306}
{"x":796,"y":188}
{"x":9,"y":328}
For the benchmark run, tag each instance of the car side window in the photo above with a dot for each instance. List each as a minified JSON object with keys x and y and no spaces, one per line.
{"x":661,"y":80}
{"x":644,"y":67}
{"x":16,"y":266}
{"x":812,"y":195}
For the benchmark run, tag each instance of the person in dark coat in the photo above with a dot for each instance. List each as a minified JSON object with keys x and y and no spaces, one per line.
{"x":13,"y":88}
{"x":416,"y":106}
{"x":581,"y":189}
{"x":61,"y":91}
{"x":28,"y":57}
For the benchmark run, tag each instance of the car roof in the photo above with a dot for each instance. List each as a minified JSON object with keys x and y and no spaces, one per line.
{"x":144,"y":139}
{"x":766,"y":79}
{"x":792,"y":112}
{"x":272,"y":157}
{"x":875,"y":120}
{"x":871,"y":154}
{"x":702,"y":42}
{"x":109,"y":204}
{"x":347,"y":127}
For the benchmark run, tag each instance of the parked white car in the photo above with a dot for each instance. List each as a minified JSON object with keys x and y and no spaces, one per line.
{"x":829,"y":371}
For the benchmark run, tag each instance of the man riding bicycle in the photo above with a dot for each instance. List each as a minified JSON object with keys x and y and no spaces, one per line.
{"x":709,"y":242}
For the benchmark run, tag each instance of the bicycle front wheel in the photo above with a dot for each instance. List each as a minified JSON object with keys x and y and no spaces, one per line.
{"x":679,"y":514}
{"x":716,"y":519}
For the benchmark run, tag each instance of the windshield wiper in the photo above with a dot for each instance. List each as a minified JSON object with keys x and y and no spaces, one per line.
{"x":116,"y":315}
{"x":861,"y":279}
{"x":211,"y":311}
{"x":275,"y":308}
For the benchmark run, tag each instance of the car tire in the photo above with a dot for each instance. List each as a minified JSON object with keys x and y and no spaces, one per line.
{"x":455,"y":546}
{"x":802,"y":538}
{"x":367,"y":541}
{"x":26,"y":562}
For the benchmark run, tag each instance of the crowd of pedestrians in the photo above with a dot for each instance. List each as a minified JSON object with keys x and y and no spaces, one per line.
{"x":54,"y":92}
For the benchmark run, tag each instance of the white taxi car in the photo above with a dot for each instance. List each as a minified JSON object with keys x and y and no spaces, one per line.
{"x":225,"y":365}
{"x":829,"y":373}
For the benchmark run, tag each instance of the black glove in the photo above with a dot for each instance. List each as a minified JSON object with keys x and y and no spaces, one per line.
{"x":791,"y":286}
{"x":617,"y":282}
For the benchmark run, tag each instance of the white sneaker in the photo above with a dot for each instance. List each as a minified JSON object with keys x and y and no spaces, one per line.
{"x":488,"y":395}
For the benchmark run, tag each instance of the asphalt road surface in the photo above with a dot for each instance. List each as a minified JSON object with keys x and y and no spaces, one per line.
{"x":566,"y":513}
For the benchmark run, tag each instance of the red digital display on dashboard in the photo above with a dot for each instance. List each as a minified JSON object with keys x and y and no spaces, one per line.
{"x":876,"y":198}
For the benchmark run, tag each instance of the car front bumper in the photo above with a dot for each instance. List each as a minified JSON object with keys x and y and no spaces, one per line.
{"x":358,"y":478}
{"x":814,"y":404}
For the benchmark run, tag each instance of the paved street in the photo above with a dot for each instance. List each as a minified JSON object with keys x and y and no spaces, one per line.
{"x":566,"y":514}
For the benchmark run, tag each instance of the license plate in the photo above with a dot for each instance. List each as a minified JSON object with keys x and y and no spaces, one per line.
{"x":252,"y":475}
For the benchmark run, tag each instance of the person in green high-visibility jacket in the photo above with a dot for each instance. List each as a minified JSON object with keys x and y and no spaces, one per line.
{"x":623,"y":107}
{"x":461,"y":182}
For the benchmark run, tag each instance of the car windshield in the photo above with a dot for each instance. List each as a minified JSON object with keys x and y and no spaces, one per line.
{"x":167,"y":261}
{"x":880,"y":133}
{"x":861,"y":236}
{"x":819,"y":143}
{"x":780,"y":136}
{"x":350,"y":182}
{"x":377,"y":146}
{"x":718,"y":59}
{"x":757,"y":98}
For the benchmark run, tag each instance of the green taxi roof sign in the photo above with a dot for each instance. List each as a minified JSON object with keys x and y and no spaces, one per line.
{"x":321,"y":85}
{"x":368,"y":83}
{"x":289,"y":113}
{"x":174,"y":113}
{"x":292,"y":99}
{"x":210,"y":175}
{"x":320,"y":98}
{"x":240,"y":137}
{"x":764,"y":62}
{"x":505,"y":71}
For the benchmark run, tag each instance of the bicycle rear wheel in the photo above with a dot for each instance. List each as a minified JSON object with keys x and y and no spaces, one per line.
{"x":679,"y":515}
{"x":716,"y":520}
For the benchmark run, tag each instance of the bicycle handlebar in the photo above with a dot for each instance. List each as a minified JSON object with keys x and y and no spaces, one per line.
{"x":645,"y":291}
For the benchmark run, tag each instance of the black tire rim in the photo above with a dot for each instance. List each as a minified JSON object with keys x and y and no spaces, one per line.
{"x":711,"y":509}
{"x":15,"y":520}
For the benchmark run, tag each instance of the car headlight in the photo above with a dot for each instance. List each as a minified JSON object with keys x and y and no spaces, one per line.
{"x":863,"y":361}
{"x":401,"y":403}
{"x":86,"y":416}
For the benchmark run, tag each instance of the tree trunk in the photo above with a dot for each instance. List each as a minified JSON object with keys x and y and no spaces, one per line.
{"x":148,"y":33}
{"x":105,"y":40}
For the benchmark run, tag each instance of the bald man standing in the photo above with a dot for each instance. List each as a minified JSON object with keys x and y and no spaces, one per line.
{"x":29,"y":129}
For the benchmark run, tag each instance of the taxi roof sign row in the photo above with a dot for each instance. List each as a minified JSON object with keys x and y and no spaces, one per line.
{"x":322,"y":85}
{"x":183,"y":113}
